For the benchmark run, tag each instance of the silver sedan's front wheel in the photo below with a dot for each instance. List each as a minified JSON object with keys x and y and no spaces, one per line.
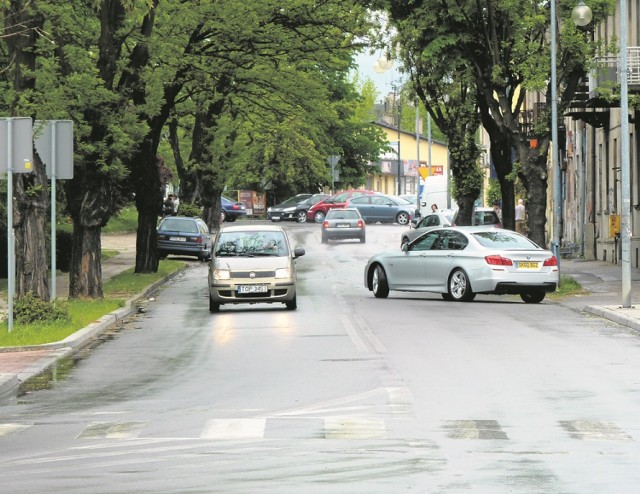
{"x":379,"y":284}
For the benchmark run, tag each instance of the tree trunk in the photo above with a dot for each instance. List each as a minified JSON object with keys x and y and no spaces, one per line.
{"x":30,"y":224}
{"x":85,"y":275}
{"x":535,"y":176}
{"x":23,"y":26}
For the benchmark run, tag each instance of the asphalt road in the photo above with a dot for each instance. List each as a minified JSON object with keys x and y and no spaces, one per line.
{"x":347,"y":394}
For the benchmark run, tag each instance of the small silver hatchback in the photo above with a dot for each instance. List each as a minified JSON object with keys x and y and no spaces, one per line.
{"x":343,"y":223}
{"x":252,"y":264}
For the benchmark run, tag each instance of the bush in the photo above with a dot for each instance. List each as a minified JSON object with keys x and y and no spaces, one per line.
{"x":30,"y":309}
{"x":191,"y":210}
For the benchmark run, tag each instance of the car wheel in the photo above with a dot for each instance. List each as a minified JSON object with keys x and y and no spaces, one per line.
{"x":460,"y":286}
{"x":213,"y":306}
{"x":318,"y":217}
{"x":302,"y":216}
{"x":223,"y":217}
{"x":292,"y":304}
{"x":404,"y":243}
{"x":447,"y":296}
{"x":532,"y":297}
{"x":379,"y":283}
{"x":402,"y":218}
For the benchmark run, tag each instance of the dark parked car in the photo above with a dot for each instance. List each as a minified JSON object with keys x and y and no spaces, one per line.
{"x":289,"y":209}
{"x":186,"y":236}
{"x":231,"y":210}
{"x":343,"y":223}
{"x":302,"y":211}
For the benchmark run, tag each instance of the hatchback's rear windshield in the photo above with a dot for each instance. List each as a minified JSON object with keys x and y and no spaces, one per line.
{"x":176,"y":225}
{"x":336,"y":214}
{"x":254,"y":243}
{"x":503,"y":239}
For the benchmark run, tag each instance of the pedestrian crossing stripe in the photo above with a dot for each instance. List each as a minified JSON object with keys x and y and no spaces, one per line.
{"x":336,"y":427}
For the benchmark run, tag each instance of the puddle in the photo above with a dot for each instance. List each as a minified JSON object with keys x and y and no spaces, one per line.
{"x":63,"y":367}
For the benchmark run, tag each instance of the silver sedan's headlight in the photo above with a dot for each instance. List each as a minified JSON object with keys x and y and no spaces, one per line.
{"x":283,"y":273}
{"x":221,"y":274}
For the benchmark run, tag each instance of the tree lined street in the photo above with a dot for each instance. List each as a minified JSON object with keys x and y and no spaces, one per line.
{"x":348,"y":393}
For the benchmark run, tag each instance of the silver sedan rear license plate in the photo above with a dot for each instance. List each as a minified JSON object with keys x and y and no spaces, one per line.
{"x":527,"y":265}
{"x":252,"y":288}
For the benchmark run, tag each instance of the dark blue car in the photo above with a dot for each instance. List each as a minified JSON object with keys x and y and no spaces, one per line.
{"x":231,"y":210}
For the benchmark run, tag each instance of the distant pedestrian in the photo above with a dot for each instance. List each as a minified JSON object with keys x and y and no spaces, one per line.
{"x":520,"y":217}
{"x":434,"y":208}
{"x":169,"y":206}
{"x":498,"y":210}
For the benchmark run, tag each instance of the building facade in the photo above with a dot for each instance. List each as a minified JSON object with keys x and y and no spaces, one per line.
{"x":592,"y":155}
{"x":401,"y":174}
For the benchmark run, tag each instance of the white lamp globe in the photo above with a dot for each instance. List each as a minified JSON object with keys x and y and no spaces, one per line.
{"x":581,"y":14}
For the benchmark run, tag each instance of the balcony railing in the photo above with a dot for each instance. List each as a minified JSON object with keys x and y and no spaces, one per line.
{"x":607,"y":71}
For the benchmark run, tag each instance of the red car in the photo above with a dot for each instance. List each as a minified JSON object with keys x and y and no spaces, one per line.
{"x":318,"y":211}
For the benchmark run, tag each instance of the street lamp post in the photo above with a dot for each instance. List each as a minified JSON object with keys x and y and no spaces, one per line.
{"x":625,"y":172}
{"x":581,"y":16}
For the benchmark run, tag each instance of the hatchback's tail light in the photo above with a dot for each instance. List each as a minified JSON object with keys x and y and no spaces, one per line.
{"x":551,"y":261}
{"x":360,"y":224}
{"x":199,"y":240}
{"x":496,"y":260}
{"x":325,"y":224}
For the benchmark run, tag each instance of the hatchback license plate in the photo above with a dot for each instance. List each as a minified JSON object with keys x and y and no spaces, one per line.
{"x":343,"y":225}
{"x":527,"y":265}
{"x":178,"y":239}
{"x":252,"y":288}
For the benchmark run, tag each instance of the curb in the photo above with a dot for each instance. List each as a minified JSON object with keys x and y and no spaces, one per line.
{"x":616,"y":314}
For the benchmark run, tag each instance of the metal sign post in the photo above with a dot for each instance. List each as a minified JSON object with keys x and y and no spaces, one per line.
{"x":17,"y":144}
{"x":54,"y":143}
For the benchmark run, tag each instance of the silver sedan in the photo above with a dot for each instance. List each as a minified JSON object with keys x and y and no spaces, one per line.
{"x":460,"y":262}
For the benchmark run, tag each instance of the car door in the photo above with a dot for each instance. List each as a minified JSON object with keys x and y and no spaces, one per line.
{"x":362,"y":204}
{"x":409,"y":267}
{"x":385,"y":209}
{"x":440,"y":262}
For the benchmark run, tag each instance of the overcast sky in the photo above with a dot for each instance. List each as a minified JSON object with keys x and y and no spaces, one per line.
{"x":384,"y":81}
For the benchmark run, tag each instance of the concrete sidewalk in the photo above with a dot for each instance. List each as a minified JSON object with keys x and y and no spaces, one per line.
{"x":18,"y":364}
{"x":602,"y":282}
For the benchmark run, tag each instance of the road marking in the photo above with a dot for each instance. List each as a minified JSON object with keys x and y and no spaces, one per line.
{"x":594,"y":430}
{"x":234,"y":429}
{"x":475,"y":429}
{"x":6,"y":429}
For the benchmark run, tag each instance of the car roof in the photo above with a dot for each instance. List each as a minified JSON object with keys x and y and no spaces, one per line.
{"x":337,"y":210}
{"x":252,"y":228}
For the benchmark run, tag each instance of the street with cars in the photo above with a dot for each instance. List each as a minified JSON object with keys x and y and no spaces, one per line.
{"x":347,"y":393}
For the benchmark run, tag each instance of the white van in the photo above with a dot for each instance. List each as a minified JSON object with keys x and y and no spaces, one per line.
{"x":436,"y":191}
